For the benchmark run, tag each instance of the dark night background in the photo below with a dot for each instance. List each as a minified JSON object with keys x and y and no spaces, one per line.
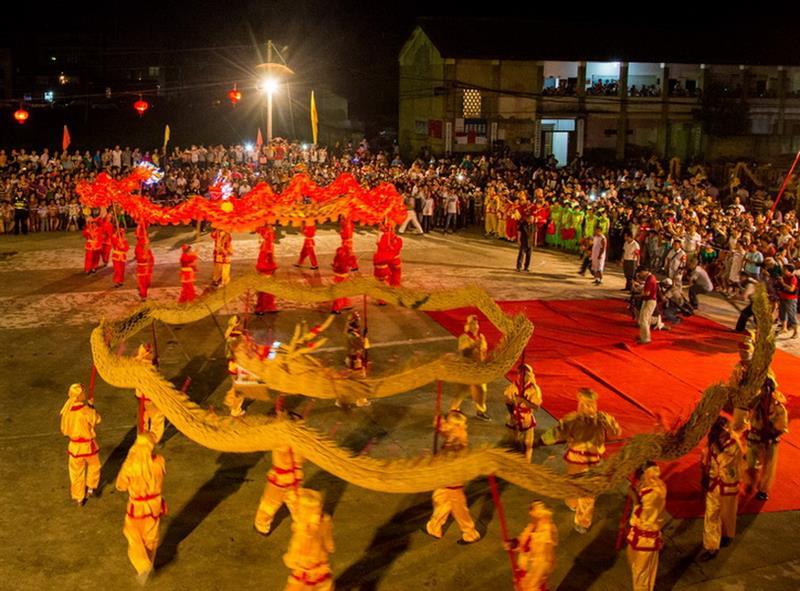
{"x":349,"y":47}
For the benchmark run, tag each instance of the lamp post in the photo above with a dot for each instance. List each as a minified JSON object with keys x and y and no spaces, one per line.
{"x":274,"y":71}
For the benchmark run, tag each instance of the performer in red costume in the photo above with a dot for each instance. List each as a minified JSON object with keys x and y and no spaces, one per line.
{"x":308,"y":251}
{"x":141,"y":234}
{"x":119,"y":255}
{"x":144,"y":269}
{"x":541,"y":213}
{"x":266,"y":265}
{"x":341,"y":273}
{"x":386,"y":262}
{"x":188,"y":274}
{"x":106,"y":238}
{"x":93,"y":246}
{"x":393,"y":245}
{"x":346,"y":232}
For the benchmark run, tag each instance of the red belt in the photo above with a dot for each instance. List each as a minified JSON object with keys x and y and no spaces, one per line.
{"x":81,"y":440}
{"x":146,"y":498}
{"x":717,"y":482}
{"x":455,"y":487}
{"x":586,"y":454}
{"x":304,"y":577}
{"x":83,"y":455}
{"x":650,"y":535}
{"x":277,"y":484}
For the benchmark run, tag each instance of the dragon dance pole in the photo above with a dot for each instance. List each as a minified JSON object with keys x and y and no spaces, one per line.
{"x":783,"y":186}
{"x":438,"y":416}
{"x":92,"y":378}
{"x":501,"y":516}
{"x":366,"y":328}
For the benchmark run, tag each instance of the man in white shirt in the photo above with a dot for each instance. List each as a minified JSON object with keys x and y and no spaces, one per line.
{"x":630,"y":259}
{"x":691,"y":244}
{"x":116,"y":157}
{"x":675,"y":262}
{"x":699,"y":282}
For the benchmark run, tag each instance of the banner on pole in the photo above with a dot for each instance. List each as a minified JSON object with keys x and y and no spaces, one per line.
{"x":314,"y":119}
{"x":65,"y":139}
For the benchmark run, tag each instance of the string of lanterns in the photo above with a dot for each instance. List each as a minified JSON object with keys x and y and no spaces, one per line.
{"x":141,"y":106}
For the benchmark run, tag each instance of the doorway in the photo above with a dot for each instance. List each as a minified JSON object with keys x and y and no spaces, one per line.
{"x":557,"y":140}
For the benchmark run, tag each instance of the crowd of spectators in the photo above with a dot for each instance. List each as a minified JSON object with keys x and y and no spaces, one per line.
{"x":681,"y":224}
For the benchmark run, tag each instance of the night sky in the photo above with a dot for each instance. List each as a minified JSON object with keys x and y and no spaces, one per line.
{"x":350,"y":46}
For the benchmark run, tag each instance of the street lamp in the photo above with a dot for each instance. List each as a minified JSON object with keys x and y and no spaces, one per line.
{"x":269,"y":86}
{"x":274,"y":72}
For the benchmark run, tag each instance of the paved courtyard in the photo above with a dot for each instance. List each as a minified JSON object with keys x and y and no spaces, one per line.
{"x":48,"y":308}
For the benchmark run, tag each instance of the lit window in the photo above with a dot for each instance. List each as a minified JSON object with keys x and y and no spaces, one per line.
{"x":472,"y":103}
{"x":153,"y":71}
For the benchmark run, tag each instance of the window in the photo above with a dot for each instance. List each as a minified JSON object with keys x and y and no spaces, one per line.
{"x":153,"y":71}
{"x":472,"y":103}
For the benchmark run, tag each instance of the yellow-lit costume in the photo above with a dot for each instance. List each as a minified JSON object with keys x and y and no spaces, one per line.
{"x":284,"y":480}
{"x":234,"y":400}
{"x":451,"y":499}
{"x":223,"y":251}
{"x":644,"y":528}
{"x":490,"y":204}
{"x":521,"y":408}
{"x":585,"y":433}
{"x":152,"y":418}
{"x":472,"y":345}
{"x":78,"y":422}
{"x":311,"y":543}
{"x":768,"y":422}
{"x":535,"y":549}
{"x":142,"y":476}
{"x":722,"y":463}
{"x":357,"y":346}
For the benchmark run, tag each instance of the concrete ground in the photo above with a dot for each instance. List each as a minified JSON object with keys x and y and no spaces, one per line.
{"x":47,"y":310}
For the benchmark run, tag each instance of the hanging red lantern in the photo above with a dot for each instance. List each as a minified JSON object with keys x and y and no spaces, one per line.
{"x":234,"y":95}
{"x":21,"y":115}
{"x":141,"y":106}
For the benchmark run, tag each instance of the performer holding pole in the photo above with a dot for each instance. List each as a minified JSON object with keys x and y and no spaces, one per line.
{"x":451,"y":499}
{"x":585,"y":433}
{"x":472,"y":345}
{"x":535,"y":549}
{"x":310,"y":545}
{"x":188,"y":274}
{"x":284,"y":478}
{"x":266,"y":265}
{"x":142,"y":477}
{"x":523,"y":399}
{"x":78,"y":422}
{"x":644,"y":533}
{"x":722,"y":462}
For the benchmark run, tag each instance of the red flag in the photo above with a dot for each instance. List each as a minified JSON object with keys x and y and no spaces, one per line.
{"x":65,"y":140}
{"x":259,"y":139}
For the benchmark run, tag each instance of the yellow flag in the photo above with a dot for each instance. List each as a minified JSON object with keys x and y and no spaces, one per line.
{"x":314,"y":119}
{"x":166,"y":136}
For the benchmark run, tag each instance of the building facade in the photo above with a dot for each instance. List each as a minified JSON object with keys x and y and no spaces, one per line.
{"x":461,"y":96}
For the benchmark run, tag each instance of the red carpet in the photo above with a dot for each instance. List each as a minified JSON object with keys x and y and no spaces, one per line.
{"x":591,"y":343}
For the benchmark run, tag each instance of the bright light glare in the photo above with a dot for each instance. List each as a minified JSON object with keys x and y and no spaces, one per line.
{"x":269,"y":85}
{"x":248,"y":147}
